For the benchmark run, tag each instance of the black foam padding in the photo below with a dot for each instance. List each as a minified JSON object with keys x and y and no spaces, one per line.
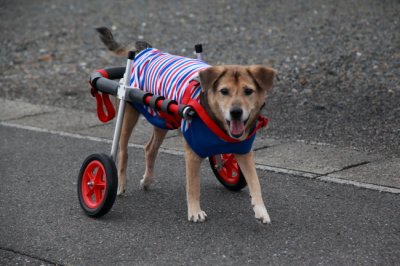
{"x":154,"y":100}
{"x":165,"y":106}
{"x":137,"y":95}
{"x":106,"y":86}
{"x":198,"y":48}
{"x":115,"y":72}
{"x":131,"y":55}
{"x":93,"y":78}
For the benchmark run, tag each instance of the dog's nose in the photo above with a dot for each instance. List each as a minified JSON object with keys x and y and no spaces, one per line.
{"x":236,"y":113}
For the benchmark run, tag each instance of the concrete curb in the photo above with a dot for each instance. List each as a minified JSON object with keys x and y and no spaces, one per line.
{"x":310,"y":160}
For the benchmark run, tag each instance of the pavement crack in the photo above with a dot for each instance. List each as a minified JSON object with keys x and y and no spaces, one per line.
{"x":26,"y":116}
{"x":97,"y":125}
{"x":346,"y":168}
{"x":354,"y":165}
{"x":262,"y":147}
{"x":30,"y":256}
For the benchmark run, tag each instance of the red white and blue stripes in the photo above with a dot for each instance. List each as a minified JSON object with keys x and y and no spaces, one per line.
{"x":165,"y":74}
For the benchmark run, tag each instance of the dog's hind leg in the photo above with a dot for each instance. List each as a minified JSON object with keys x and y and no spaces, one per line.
{"x":130,"y":119}
{"x":150,"y":153}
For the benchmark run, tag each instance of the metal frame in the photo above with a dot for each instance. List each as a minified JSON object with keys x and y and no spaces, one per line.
{"x":123,"y":85}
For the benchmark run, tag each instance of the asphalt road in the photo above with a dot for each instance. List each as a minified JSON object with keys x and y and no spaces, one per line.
{"x":339,"y":60}
{"x":313,"y":222}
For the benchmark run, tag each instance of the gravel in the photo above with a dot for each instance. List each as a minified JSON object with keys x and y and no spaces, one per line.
{"x":339,"y":61}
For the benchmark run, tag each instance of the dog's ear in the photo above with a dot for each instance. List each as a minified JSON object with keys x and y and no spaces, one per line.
{"x":210,"y":76}
{"x":262,"y":76}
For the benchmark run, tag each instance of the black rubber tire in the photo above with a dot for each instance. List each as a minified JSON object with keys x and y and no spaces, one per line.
{"x":236,"y":186}
{"x":111,"y":179}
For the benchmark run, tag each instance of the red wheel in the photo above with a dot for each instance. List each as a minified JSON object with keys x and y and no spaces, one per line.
{"x":97,"y":185}
{"x":227,"y":171}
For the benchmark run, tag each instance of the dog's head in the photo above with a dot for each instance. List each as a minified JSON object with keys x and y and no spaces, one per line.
{"x":235,"y":95}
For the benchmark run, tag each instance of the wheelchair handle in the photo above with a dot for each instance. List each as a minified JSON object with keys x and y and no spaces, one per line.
{"x":101,"y":80}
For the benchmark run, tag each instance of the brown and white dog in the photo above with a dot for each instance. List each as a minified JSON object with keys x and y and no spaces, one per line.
{"x":231,"y":93}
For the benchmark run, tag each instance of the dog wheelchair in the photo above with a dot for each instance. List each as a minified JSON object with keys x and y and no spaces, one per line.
{"x":98,"y":176}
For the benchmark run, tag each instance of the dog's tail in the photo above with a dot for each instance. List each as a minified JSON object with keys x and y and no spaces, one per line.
{"x":119,"y":49}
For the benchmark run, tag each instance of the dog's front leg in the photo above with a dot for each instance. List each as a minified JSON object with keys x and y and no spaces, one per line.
{"x":248,"y":168}
{"x":193,"y":162}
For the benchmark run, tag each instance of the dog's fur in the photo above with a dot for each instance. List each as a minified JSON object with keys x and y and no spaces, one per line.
{"x":230,"y":94}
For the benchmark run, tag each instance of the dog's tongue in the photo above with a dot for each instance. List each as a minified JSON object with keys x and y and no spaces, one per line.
{"x":236,"y":127}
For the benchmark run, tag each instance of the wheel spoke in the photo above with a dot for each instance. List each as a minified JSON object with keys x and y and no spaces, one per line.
{"x":90,"y":175}
{"x":100,"y":185}
{"x":228,"y":171}
{"x":231,"y":163}
{"x":98,"y":195}
{"x":229,"y":159}
{"x":89,"y":193}
{"x":99,"y":175}
{"x":235,"y":167}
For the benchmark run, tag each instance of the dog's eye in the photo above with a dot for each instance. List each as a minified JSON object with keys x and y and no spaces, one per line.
{"x":224,"y":91}
{"x":248,"y":91}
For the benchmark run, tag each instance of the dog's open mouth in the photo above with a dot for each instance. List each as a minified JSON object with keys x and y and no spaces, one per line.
{"x":236,"y":128}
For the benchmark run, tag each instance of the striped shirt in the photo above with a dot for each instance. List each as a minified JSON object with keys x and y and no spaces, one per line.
{"x":164,"y":74}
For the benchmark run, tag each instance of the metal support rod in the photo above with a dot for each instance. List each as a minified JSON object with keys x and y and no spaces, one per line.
{"x":117,"y":130}
{"x":121,"y":110}
{"x":199,"y":51}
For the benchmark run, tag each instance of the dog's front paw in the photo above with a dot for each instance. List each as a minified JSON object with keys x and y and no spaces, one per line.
{"x":261,"y":214}
{"x":197,"y":216}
